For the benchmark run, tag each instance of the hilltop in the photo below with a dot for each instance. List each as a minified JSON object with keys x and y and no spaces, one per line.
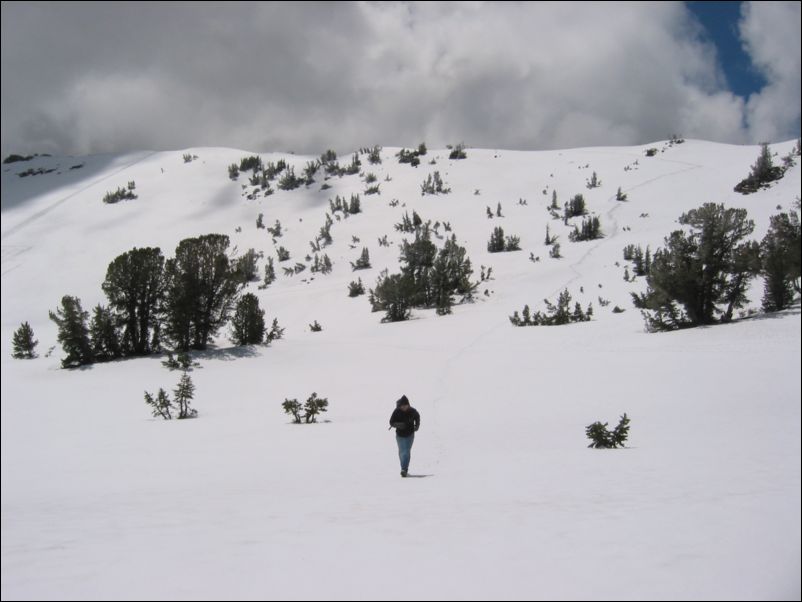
{"x":99,"y":500}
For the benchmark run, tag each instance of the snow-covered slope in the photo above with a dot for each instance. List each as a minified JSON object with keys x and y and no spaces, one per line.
{"x":99,"y":500}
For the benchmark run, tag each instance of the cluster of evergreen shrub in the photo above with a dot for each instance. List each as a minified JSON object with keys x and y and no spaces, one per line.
{"x":309,"y":411}
{"x":763,"y":173}
{"x":498,"y":243}
{"x":321,"y":264}
{"x":498,"y":211}
{"x":409,"y":225}
{"x":356,"y":288}
{"x":641,"y":261}
{"x":121,"y":194}
{"x":433,"y":184}
{"x":363,"y":263}
{"x":601,"y":438}
{"x":412,"y":156}
{"x":555,"y":315}
{"x":345,"y":207}
{"x":589,"y":230}
{"x":429,"y":278}
{"x":458,"y":152}
{"x":275,"y":231}
{"x":264,"y":173}
{"x":574,"y":208}
{"x":374,"y":154}
{"x":179,"y":407}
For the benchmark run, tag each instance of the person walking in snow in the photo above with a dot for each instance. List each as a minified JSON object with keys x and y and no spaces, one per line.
{"x":405,"y":420}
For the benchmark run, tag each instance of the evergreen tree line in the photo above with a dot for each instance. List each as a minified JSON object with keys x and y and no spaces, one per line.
{"x":701,"y":276}
{"x":429,"y":278}
{"x":182,"y":302}
{"x":262,"y":174}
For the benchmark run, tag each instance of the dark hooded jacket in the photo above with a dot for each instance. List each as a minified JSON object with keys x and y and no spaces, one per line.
{"x":405,"y":423}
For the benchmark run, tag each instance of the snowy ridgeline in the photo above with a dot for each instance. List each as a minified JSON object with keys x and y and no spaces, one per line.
{"x":100,"y":500}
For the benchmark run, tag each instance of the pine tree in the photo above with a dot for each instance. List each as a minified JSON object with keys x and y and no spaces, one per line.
{"x":374,"y":155}
{"x":73,"y":333}
{"x":161,"y":406}
{"x":134,"y":286}
{"x":512,"y":243}
{"x":601,"y":438}
{"x":417,"y":260}
{"x":550,"y":240}
{"x":104,"y":336}
{"x":23,"y":343}
{"x":248,"y":323}
{"x":314,"y":405}
{"x":363,"y":263}
{"x":275,"y":333}
{"x":699,"y":270}
{"x":763,"y":172}
{"x":762,"y":169}
{"x":292,"y":406}
{"x":354,"y":206}
{"x":245,"y":266}
{"x":201,"y":288}
{"x":599,"y":435}
{"x":458,"y":152}
{"x":270,"y":273}
{"x":780,"y":261}
{"x":496,"y":243}
{"x":183,"y":394}
{"x":393,"y":296}
{"x":356,"y":288}
{"x":575,"y":207}
{"x":621,"y":432}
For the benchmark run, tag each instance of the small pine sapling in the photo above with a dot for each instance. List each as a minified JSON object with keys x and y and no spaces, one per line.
{"x":601,"y":438}
{"x":292,"y":406}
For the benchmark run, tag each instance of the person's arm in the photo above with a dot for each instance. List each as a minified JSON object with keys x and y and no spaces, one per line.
{"x":417,"y":420}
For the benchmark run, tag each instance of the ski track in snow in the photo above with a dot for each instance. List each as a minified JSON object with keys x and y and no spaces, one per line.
{"x":43,"y":212}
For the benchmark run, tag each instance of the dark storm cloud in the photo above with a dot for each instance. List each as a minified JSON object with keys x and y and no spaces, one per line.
{"x":82,"y":78}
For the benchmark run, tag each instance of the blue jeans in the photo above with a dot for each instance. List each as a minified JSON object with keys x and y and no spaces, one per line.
{"x":404,"y":450}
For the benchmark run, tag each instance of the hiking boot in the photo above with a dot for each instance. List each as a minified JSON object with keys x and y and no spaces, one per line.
{"x":403,"y":473}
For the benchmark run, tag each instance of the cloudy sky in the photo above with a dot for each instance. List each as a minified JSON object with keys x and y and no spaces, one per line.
{"x":110,"y":77}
